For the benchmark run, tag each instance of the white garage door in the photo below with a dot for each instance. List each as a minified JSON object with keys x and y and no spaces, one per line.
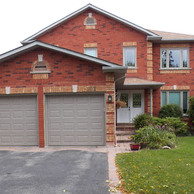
{"x":75,"y":120}
{"x":18,"y":120}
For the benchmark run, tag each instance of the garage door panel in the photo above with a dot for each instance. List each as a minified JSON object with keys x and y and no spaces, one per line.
{"x":82,"y":113}
{"x":68,"y":113}
{"x":81,"y":120}
{"x":82,"y":125}
{"x":18,"y":120}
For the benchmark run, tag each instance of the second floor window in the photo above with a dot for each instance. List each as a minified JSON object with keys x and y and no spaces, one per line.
{"x":174,"y":58}
{"x":129,"y":57}
{"x":91,"y":51}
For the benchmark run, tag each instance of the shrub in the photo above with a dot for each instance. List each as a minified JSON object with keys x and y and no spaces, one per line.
{"x":179,"y":127}
{"x":170,"y":110}
{"x":142,"y":120}
{"x":154,"y":137}
{"x":190,"y":111}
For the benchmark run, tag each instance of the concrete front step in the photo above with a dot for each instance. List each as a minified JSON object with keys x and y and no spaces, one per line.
{"x":123,"y":133}
{"x":123,"y":139}
{"x":125,"y":127}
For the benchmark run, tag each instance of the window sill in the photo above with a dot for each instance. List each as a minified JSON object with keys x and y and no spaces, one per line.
{"x":40,"y":72}
{"x":168,"y":69}
{"x":132,"y":70}
{"x":175,"y":70}
{"x":131,"y":67}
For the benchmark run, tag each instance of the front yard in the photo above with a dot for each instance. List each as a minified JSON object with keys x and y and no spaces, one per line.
{"x":159,"y":171}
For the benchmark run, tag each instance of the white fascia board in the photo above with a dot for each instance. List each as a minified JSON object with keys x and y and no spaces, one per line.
{"x":55,"y":24}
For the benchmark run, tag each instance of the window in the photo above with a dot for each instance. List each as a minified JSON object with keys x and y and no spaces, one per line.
{"x":174,"y":58}
{"x":90,"y":20}
{"x":124,"y":97}
{"x":129,"y":56}
{"x":40,"y":65}
{"x":136,"y":100}
{"x":91,"y":51}
{"x":175,"y":97}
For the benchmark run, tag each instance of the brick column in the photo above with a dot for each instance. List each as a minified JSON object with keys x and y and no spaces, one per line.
{"x":110,"y":108}
{"x":149,"y":61}
{"x":41,"y":116}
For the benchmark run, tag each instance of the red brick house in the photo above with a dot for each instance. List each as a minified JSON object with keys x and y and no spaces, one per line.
{"x":61,"y":86}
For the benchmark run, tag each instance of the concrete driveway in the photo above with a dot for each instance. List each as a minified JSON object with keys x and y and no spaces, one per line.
{"x":67,"y":171}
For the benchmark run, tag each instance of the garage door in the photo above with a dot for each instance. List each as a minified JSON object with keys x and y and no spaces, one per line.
{"x":75,"y":120}
{"x":18,"y":120}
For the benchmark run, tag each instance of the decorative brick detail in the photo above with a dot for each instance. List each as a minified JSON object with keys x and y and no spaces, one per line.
{"x":91,"y":27}
{"x":175,"y":71}
{"x":110,"y":107}
{"x":149,"y":57}
{"x":150,"y":64}
{"x":110,"y":129}
{"x":177,"y":88}
{"x":129,"y":43}
{"x":149,"y":50}
{"x":57,"y":89}
{"x":88,"y":45}
{"x":40,"y":76}
{"x":110,"y":87}
{"x":150,"y":70}
{"x":109,"y":137}
{"x":149,"y":61}
{"x":27,"y":90}
{"x":174,"y":45}
{"x":150,"y":77}
{"x":109,"y":118}
{"x":110,"y":77}
{"x":149,"y":44}
{"x":131,"y":70}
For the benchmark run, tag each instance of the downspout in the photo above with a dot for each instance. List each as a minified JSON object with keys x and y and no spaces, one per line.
{"x":151,"y":102}
{"x":115,"y":116}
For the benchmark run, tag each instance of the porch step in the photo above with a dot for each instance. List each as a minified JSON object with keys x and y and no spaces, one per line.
{"x":123,"y":139}
{"x":124,"y":132}
{"x":125,"y":127}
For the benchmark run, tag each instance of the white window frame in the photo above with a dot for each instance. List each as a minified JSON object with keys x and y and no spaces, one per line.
{"x":93,"y":49}
{"x":181,"y":97}
{"x":181,"y":58}
{"x":130,"y":47}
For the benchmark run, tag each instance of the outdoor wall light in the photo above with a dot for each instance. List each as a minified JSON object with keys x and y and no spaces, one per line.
{"x":109,"y":98}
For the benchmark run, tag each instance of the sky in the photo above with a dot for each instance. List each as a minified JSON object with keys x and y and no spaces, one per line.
{"x":22,"y":18}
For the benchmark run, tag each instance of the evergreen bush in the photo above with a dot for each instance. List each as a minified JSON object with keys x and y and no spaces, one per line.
{"x":170,"y":110}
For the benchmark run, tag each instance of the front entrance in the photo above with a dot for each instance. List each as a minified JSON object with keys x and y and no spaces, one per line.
{"x":134,"y":105}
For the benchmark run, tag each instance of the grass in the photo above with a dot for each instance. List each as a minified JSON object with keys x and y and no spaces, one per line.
{"x":159,"y":171}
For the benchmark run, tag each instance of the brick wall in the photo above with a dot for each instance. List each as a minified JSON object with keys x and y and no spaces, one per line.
{"x":183,"y":79}
{"x":65,"y":72}
{"x":109,"y":36}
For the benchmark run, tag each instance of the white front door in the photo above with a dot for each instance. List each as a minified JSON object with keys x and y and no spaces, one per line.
{"x":123,"y":114}
{"x":134,"y":105}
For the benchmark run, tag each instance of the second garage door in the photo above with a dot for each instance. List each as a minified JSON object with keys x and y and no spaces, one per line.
{"x":75,"y":120}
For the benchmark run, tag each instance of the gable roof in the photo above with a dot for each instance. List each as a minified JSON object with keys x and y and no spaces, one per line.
{"x":36,"y":44}
{"x":171,"y":36}
{"x":79,"y":11}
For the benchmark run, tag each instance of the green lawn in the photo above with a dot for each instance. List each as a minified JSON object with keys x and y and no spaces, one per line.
{"x":159,"y":171}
